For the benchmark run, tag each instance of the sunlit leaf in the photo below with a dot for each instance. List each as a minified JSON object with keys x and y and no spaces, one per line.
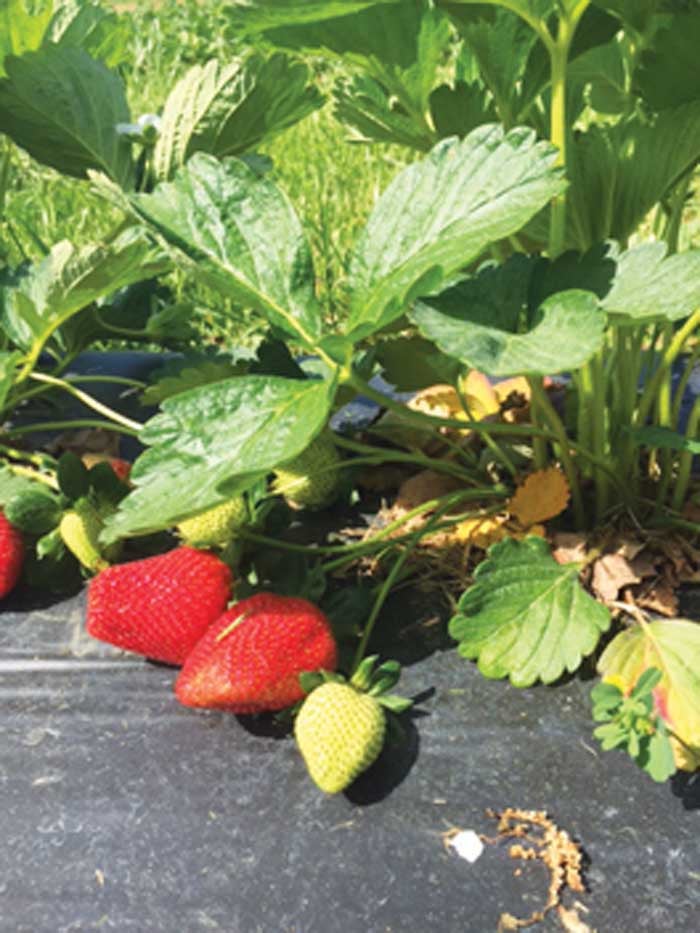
{"x":215,"y":440}
{"x":229,"y":109}
{"x":527,"y":617}
{"x":485,"y":187}
{"x":241,"y":237}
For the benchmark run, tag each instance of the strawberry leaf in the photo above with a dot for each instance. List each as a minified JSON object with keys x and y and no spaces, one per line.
{"x":672,"y":646}
{"x":229,"y":109}
{"x":63,"y":107}
{"x":526,"y":616}
{"x":215,"y":441}
{"x":242,"y":238}
{"x":489,"y":185}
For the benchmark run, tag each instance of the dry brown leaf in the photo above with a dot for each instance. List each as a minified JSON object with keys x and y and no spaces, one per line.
{"x":660,"y":598}
{"x":644,"y":565}
{"x":543,"y":495}
{"x":569,"y":547}
{"x":611,"y":573}
{"x":691,"y":511}
{"x":628,"y":546}
{"x":86,"y":440}
{"x":423,"y":487}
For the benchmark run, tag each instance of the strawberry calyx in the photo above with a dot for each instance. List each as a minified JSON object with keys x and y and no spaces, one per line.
{"x":375,"y":681}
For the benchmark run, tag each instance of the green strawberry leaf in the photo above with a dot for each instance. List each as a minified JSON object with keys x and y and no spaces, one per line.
{"x":241,"y":237}
{"x":103,"y":34}
{"x":229,"y":109}
{"x":649,"y":286}
{"x":63,"y":107}
{"x":526,"y":616}
{"x":34,"y":304}
{"x":189,"y":371}
{"x":663,"y":438}
{"x":670,"y":70}
{"x":488,"y":185}
{"x":484,"y":322}
{"x":259,"y":15}
{"x":215,"y":441}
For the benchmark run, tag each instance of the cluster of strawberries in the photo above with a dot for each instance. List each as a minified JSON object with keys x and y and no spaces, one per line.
{"x":247,"y":659}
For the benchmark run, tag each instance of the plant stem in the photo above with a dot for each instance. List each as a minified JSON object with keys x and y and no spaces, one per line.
{"x":66,"y":425}
{"x":683,"y":385}
{"x":383,"y":455}
{"x":40,"y":461}
{"x":685,"y":462}
{"x":558,"y":133}
{"x":567,"y":462}
{"x":133,"y":426}
{"x":44,"y":478}
{"x":388,"y":584}
{"x":670,"y":353}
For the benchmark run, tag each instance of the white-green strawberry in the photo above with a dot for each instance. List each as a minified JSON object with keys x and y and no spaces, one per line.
{"x":311,"y":480}
{"x":340,"y":732}
{"x":217,"y":526}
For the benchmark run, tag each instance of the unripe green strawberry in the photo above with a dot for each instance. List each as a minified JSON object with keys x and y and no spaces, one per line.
{"x":340,"y":733}
{"x":216,"y":526}
{"x":311,"y":480}
{"x":80,"y":529}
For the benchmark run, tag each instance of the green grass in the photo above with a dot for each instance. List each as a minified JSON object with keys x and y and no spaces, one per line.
{"x":332,"y":183}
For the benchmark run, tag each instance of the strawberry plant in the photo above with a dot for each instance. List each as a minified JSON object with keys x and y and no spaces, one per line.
{"x":524,"y":273}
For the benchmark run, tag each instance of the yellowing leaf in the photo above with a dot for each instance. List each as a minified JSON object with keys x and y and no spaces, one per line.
{"x":673,"y":646}
{"x":479,"y":395}
{"x":517,"y":385}
{"x":482,"y":532}
{"x":543,"y":495}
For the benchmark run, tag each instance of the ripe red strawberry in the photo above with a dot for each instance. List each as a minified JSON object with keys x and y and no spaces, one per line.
{"x":159,"y":606}
{"x":250,"y":659}
{"x":11,"y":555}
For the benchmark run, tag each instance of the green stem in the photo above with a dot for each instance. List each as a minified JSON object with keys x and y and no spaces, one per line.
{"x":66,"y":425}
{"x":381,"y":454}
{"x":132,"y":426}
{"x":567,"y":462}
{"x":685,"y":462}
{"x":652,"y":388}
{"x":600,"y":433}
{"x":683,"y":385}
{"x":493,"y":445}
{"x":386,"y":587}
{"x":558,"y":133}
{"x":38,"y":460}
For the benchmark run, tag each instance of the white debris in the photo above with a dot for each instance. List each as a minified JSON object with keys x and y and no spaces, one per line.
{"x":466,"y":844}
